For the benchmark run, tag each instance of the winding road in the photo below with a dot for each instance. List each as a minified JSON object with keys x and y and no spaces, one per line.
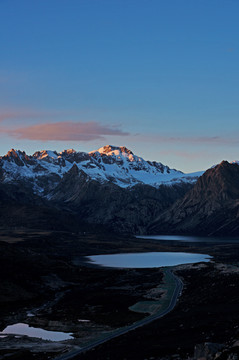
{"x":177,"y":292}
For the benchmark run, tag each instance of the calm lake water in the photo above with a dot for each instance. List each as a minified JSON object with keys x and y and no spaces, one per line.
{"x":24,"y":329}
{"x":148,"y":260}
{"x":198,"y":239}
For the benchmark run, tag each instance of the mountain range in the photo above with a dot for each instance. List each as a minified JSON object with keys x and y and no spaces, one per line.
{"x":115,"y":189}
{"x":109,"y":164}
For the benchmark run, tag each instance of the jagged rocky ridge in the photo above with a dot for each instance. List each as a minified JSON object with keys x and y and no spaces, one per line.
{"x":211,"y":207}
{"x":110,"y":186}
{"x":112,"y":164}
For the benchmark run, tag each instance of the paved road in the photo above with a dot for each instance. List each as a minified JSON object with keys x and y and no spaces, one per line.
{"x":126,"y":329}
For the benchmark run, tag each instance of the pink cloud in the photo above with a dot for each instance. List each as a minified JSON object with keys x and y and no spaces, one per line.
{"x":65,"y":131}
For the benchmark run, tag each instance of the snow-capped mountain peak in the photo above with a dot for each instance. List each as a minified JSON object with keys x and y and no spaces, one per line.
{"x":124,"y":156}
{"x":68,"y":152}
{"x":113,"y":150}
{"x":45,"y":154}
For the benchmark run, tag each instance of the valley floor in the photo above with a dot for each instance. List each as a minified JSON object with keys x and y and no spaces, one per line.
{"x":46,"y":282}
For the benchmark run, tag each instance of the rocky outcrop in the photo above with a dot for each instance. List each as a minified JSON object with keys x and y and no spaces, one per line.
{"x":215,"y":351}
{"x":207,"y":351}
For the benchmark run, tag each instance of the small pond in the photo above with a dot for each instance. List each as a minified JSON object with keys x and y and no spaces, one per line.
{"x":148,"y":260}
{"x":25,"y":329}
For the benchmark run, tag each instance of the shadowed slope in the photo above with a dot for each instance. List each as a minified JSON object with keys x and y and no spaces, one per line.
{"x":211,"y":207}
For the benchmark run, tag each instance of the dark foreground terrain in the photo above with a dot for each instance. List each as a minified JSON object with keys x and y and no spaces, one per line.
{"x":45,"y":282}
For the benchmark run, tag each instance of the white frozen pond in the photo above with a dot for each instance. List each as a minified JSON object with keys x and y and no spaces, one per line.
{"x":25,"y":329}
{"x":148,"y":260}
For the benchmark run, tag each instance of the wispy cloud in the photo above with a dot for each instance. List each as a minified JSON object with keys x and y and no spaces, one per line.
{"x":23,"y":114}
{"x":65,"y":131}
{"x":14,"y":114}
{"x":230,"y":49}
{"x":203,"y":140}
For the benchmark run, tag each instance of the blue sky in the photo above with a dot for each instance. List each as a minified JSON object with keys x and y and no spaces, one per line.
{"x":158,"y":76}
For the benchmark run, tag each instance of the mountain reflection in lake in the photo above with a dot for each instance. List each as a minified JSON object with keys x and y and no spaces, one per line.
{"x":148,"y":260}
